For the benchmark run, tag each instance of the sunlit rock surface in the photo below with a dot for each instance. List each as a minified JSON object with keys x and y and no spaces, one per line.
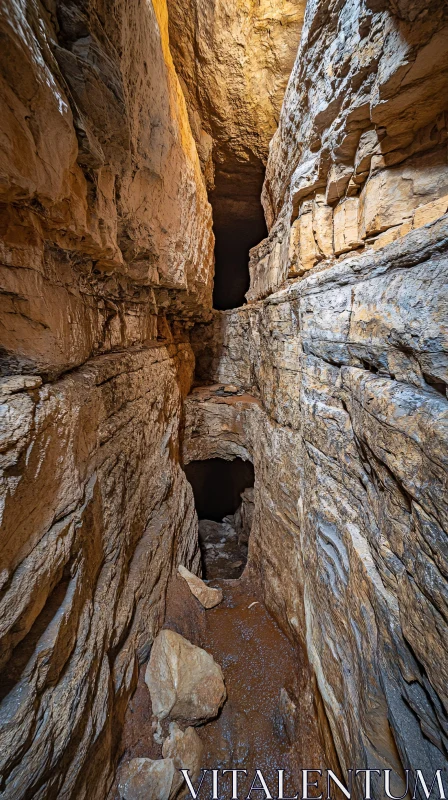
{"x":360,"y":157}
{"x":338,"y":364}
{"x":107,"y":224}
{"x":106,"y":258}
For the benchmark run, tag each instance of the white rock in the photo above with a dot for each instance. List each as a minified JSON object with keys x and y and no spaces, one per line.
{"x":145,"y":779}
{"x":184,"y":681}
{"x":207,"y":596}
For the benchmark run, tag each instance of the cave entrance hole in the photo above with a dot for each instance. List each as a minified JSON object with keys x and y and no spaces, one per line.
{"x":223,"y":494}
{"x":238,"y":224}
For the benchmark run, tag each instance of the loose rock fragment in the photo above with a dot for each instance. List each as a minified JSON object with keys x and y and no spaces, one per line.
{"x":184,"y":681}
{"x":207,"y":596}
{"x":185,"y":749}
{"x":145,"y":779}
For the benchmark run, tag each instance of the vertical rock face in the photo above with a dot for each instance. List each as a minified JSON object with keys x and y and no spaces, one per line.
{"x":98,"y":152}
{"x":343,"y":347}
{"x":359,"y":158}
{"x":234,"y":59}
{"x":106,"y":257}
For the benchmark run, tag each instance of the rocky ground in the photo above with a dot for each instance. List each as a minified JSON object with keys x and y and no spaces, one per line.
{"x":268,"y":720}
{"x":223,"y":556}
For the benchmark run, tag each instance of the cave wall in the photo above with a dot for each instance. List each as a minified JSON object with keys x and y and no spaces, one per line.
{"x":234,"y":60}
{"x":106,"y":260}
{"x":343,"y":349}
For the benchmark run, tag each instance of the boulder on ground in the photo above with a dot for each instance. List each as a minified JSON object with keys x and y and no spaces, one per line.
{"x":207,"y":596}
{"x":184,"y":681}
{"x":145,"y":779}
{"x":185,"y":749}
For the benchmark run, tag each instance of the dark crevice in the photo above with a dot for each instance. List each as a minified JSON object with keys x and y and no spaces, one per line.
{"x":217,"y":485}
{"x":238,"y":224}
{"x":437,"y":384}
{"x":224,"y":502}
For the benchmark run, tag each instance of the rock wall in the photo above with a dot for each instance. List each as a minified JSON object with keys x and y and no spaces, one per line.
{"x":97,"y":153}
{"x":359,"y":158}
{"x":106,"y":259}
{"x":349,"y":530}
{"x":343,"y":347}
{"x":234,"y":59}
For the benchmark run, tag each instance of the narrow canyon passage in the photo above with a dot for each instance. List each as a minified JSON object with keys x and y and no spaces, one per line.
{"x":268,"y":720}
{"x":223,"y":396}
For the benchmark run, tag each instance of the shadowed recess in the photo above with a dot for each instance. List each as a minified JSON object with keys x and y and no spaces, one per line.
{"x":239,"y":224}
{"x":217,"y":485}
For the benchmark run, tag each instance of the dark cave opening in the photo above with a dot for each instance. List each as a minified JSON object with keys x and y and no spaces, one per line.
{"x":232,"y":245}
{"x":238,"y":224}
{"x":217,"y":485}
{"x":223,"y":493}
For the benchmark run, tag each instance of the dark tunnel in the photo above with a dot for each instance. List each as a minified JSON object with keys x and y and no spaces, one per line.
{"x":238,"y":224}
{"x":232,"y":246}
{"x":217,"y":485}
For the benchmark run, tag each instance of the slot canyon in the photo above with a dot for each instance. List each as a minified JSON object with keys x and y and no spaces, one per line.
{"x":223,"y":396}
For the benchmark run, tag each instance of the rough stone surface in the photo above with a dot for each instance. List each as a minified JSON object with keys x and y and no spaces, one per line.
{"x":234,"y":59}
{"x":207,"y":596}
{"x":361,"y":143}
{"x":145,"y":779}
{"x":184,"y":681}
{"x":186,"y":750}
{"x":339,"y":362}
{"x":346,"y":428}
{"x":96,"y":515}
{"x":97,"y":152}
{"x":105,"y":259}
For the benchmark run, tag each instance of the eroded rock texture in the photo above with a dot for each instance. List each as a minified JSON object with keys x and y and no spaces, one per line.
{"x":106,"y":259}
{"x":234,"y":59}
{"x":349,"y":528}
{"x":359,"y":158}
{"x":107,"y":223}
{"x":346,"y":363}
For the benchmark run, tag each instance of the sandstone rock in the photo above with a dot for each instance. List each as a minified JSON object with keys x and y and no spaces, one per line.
{"x":430,"y":212}
{"x":120,"y":257}
{"x":145,"y":779}
{"x":207,"y":596}
{"x":323,"y":226}
{"x":351,"y":368}
{"x":106,"y":230}
{"x":356,"y":125}
{"x":185,"y":749}
{"x":346,"y":230}
{"x":241,"y":88}
{"x":243,"y":517}
{"x":390,"y":197}
{"x":16,"y":383}
{"x":289,"y":714}
{"x":86,"y":461}
{"x":308,"y":252}
{"x":184,"y":681}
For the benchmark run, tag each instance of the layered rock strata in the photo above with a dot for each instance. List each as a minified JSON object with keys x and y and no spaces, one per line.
{"x":106,"y":258}
{"x":346,"y":428}
{"x":360,"y":155}
{"x":234,"y":59}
